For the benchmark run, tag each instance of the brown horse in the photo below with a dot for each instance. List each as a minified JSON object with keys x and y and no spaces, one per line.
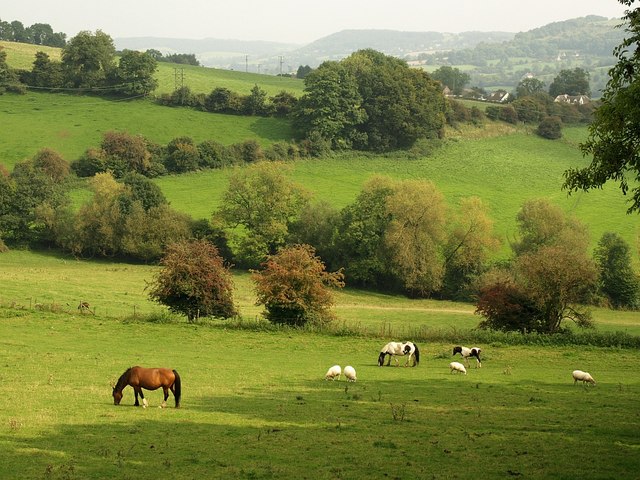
{"x":149,"y":379}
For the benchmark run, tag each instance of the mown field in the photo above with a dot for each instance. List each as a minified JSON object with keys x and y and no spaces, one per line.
{"x":255,"y":405}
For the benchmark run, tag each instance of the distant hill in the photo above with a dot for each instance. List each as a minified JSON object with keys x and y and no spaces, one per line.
{"x":273,"y":56}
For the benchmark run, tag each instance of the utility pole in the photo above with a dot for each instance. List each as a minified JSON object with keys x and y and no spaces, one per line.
{"x":246,"y":64}
{"x":281,"y":57}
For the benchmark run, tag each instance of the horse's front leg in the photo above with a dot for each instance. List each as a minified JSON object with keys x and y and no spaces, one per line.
{"x":135,"y":391}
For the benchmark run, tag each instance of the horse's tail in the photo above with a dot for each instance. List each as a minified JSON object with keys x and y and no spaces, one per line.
{"x":177,"y":388}
{"x":416,"y":353}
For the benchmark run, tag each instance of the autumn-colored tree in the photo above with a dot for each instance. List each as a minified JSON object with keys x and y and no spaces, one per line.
{"x":194,"y":281}
{"x":552,"y":274}
{"x":52,"y":164}
{"x":295,"y":287}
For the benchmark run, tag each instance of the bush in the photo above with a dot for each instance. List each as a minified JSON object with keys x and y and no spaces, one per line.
{"x":550,"y":128}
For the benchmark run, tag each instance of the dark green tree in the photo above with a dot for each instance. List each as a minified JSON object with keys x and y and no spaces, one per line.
{"x":617,"y":280}
{"x":452,"y":77}
{"x":570,"y":82}
{"x":614,"y":134}
{"x":529,"y":86}
{"x":256,"y":102}
{"x":331,"y":106}
{"x":401,"y":104}
{"x":45,"y":72}
{"x":88,"y":59}
{"x":135,"y":73}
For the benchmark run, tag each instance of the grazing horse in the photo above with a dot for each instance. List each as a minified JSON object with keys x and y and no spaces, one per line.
{"x":469,"y":352}
{"x":395,"y":349}
{"x":149,"y":379}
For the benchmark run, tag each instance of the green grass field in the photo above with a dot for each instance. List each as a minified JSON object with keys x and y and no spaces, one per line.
{"x":255,"y":405}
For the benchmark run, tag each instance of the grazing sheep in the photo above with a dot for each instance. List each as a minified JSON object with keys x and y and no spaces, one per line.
{"x":350,"y":373}
{"x":584,"y":377}
{"x":469,"y":352}
{"x":394,"y":349}
{"x":333,"y":372}
{"x":457,"y":367}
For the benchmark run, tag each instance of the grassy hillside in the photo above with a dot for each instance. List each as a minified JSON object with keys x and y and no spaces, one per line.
{"x":504,"y":171}
{"x":70,"y":124}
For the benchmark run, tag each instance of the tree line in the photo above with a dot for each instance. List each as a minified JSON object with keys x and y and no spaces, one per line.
{"x":36,"y":34}
{"x":396,"y":236}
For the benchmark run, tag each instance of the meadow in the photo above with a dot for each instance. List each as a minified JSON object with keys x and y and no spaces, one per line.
{"x":255,"y":405}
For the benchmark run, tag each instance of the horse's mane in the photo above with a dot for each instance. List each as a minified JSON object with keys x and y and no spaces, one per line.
{"x":122,"y":381}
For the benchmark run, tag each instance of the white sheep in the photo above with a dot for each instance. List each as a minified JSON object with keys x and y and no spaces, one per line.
{"x":584,"y":377}
{"x":457,"y":367}
{"x":333,"y":372}
{"x":350,"y":373}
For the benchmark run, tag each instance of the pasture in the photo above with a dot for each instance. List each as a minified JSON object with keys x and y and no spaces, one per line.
{"x":70,"y":124}
{"x":255,"y":405}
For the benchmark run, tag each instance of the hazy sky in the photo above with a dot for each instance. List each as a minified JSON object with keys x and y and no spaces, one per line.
{"x":295,"y":21}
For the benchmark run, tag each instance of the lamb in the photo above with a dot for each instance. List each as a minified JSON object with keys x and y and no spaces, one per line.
{"x":584,"y":377}
{"x":469,"y":352}
{"x":457,"y":367}
{"x":350,"y":373}
{"x":333,"y":372}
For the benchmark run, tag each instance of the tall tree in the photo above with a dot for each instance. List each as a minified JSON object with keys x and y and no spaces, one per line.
{"x":452,"y":77}
{"x":614,"y":134}
{"x":135,"y":73}
{"x":529,"y":86}
{"x":617,"y":280}
{"x":88,"y":59}
{"x":415,"y":236}
{"x":331,"y":106}
{"x":570,"y":82}
{"x":265,"y":203}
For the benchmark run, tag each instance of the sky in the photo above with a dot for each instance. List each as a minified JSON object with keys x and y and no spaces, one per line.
{"x":295,"y":21}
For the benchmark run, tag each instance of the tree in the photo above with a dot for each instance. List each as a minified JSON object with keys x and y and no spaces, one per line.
{"x":529,"y":86}
{"x":295,"y":287}
{"x":452,"y":77}
{"x":46,"y":73}
{"x":471,"y":240}
{"x":549,"y":278}
{"x":550,"y":128}
{"x":88,"y":59}
{"x":303,"y":71}
{"x":194,"y":281}
{"x":402,"y":104}
{"x":331,"y":106}
{"x":570,"y":82}
{"x":361,"y":235}
{"x":256,"y":102}
{"x":528,"y":109}
{"x":130,"y":150}
{"x":415,"y":235}
{"x":617,"y":280}
{"x":265,"y":203}
{"x":135,"y":73}
{"x":52,"y":164}
{"x":614,"y":134}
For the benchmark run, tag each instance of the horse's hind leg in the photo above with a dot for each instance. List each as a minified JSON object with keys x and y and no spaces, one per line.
{"x":166,"y":395}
